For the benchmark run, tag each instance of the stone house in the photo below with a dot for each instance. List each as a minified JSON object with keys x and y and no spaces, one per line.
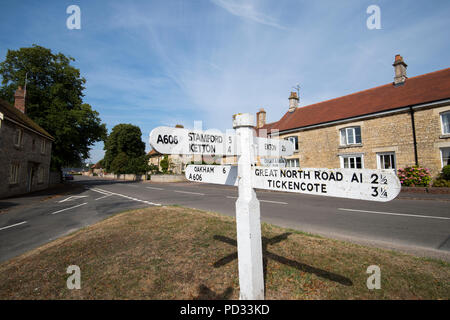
{"x":25,"y":150}
{"x":402,"y":123}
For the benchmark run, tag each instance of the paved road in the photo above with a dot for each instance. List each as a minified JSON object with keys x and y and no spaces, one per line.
{"x":420,"y":227}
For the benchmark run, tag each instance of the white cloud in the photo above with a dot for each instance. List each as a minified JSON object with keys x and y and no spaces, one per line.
{"x":247,"y":10}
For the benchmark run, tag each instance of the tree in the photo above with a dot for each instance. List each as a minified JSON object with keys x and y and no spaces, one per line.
{"x":54,"y":100}
{"x":120,"y":164}
{"x":139,"y":165}
{"x":126,"y":139}
{"x":165,"y":164}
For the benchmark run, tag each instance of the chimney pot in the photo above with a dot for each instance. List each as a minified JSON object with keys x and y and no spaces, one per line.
{"x":400,"y":70}
{"x":293,"y":101}
{"x":260,"y":118}
{"x":19,"y":99}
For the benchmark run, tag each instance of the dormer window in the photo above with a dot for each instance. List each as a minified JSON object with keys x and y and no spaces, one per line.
{"x":350,"y":136}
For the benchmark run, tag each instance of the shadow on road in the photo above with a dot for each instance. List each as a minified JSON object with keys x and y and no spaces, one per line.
{"x":42,"y":195}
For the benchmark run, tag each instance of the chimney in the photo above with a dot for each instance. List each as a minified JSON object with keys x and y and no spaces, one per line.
{"x":260,"y":118}
{"x":400,"y":70}
{"x":19,"y":99}
{"x":293,"y":101}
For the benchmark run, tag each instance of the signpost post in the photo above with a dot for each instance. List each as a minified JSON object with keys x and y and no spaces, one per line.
{"x":365,"y":184}
{"x":248,"y":224}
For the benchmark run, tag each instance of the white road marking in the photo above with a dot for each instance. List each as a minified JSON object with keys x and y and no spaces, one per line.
{"x":109,"y":193}
{"x":155,"y":188}
{"x":269,"y":201}
{"x":69,"y":208}
{"x":197,"y":193}
{"x":72,"y":198}
{"x":395,"y":214}
{"x":13,"y":225}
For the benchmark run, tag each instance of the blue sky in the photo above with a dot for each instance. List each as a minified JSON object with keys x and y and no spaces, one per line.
{"x":168,"y":62}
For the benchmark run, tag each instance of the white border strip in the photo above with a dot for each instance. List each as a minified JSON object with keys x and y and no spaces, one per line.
{"x":269,"y":201}
{"x":69,"y":208}
{"x":106,"y":192}
{"x":395,"y":214}
{"x":196,"y":193}
{"x":13,"y":225}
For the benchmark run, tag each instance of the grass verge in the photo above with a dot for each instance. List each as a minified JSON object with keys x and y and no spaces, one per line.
{"x":180,"y":253}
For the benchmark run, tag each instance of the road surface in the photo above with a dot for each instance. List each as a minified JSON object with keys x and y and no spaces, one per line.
{"x":420,"y":227}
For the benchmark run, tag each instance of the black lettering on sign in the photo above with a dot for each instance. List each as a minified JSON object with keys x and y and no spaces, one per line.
{"x":167,"y":139}
{"x":374,"y":176}
{"x":355,"y":178}
{"x":202,"y":148}
{"x":317,"y":175}
{"x":195,"y":177}
{"x":375,"y":191}
{"x":293,"y":185}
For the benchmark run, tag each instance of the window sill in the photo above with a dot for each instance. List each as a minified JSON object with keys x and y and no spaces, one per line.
{"x":444,"y":136}
{"x":356,"y":145}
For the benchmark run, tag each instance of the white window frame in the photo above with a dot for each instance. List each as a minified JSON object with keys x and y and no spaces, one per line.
{"x":354,"y":155}
{"x":294,"y":140}
{"x":41,"y":174}
{"x":43,"y":146}
{"x":446,"y":113}
{"x":14,"y":173}
{"x":442,"y":155}
{"x":295,"y":160}
{"x":19,"y":137}
{"x":343,"y":133}
{"x":391,"y":153}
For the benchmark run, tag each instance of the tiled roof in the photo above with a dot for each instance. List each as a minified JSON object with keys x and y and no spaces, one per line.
{"x":153,"y":153}
{"x":421,"y":89}
{"x":16,"y":115}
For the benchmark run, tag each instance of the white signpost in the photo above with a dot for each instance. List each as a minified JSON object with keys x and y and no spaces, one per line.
{"x":273,"y":162}
{"x":169,"y":140}
{"x":365,"y":184}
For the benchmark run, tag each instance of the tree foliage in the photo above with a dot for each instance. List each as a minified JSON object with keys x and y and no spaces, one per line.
{"x":54,"y":100}
{"x":120,"y":163}
{"x":165,"y":164}
{"x":124,"y":141}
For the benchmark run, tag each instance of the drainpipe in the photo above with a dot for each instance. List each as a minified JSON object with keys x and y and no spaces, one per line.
{"x":416,"y":159}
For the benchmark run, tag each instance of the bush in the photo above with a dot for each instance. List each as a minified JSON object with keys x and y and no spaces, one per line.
{"x":165,"y":164}
{"x":441,"y":183}
{"x":414,"y":176}
{"x":443,"y":180}
{"x":446,"y":172}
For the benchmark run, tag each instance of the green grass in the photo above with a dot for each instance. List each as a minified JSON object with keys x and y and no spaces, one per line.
{"x":180,"y":253}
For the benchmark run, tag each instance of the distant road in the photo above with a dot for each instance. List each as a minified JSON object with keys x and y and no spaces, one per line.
{"x":421,"y":227}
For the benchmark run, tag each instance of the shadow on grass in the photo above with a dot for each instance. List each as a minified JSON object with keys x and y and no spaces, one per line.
{"x":291,"y":263}
{"x":204,"y":293}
